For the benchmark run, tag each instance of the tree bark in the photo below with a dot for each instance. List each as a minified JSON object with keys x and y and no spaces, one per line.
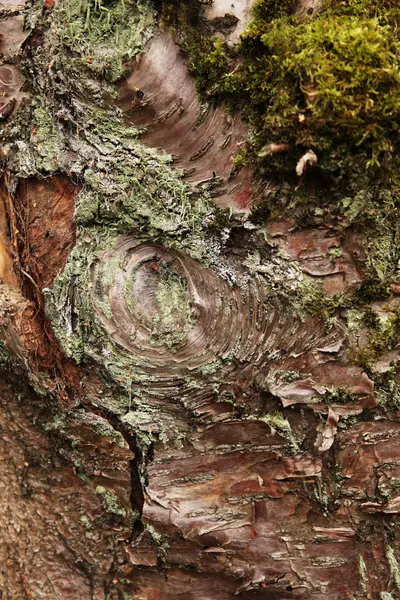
{"x":183,"y":413}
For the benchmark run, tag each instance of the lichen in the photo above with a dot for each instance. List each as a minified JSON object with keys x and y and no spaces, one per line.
{"x":46,"y":140}
{"x":144,"y":421}
{"x":362,"y":567}
{"x":127,"y":190}
{"x":311,"y":299}
{"x":337,"y":395}
{"x":277,"y":421}
{"x":387,"y":389}
{"x":102,"y":36}
{"x":110,"y":501}
{"x":174,"y":317}
{"x":394,"y":567}
{"x":160,"y":540}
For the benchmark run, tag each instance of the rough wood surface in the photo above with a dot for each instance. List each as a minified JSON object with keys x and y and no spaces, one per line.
{"x":177,"y":422}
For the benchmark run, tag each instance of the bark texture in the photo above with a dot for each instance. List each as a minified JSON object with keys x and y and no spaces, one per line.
{"x":194,"y":402}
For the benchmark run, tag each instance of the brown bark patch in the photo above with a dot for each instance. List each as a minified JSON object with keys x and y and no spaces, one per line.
{"x":42,"y":234}
{"x":12,"y":34}
{"x":334,"y":258}
{"x":159,"y":95}
{"x":7,"y":273}
{"x":49,"y":231}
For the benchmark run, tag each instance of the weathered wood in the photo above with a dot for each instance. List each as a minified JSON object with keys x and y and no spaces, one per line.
{"x":192,"y":402}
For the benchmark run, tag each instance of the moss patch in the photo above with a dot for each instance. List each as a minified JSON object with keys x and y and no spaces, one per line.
{"x":384,"y":335}
{"x":331,"y":83}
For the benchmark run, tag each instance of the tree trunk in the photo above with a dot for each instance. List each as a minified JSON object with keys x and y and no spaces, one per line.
{"x":196,"y":403}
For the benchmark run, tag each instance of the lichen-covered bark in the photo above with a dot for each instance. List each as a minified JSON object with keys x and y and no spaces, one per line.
{"x":199,"y":363}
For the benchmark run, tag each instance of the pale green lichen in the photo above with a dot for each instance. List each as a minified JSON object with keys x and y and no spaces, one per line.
{"x":277,"y":421}
{"x":160,"y":540}
{"x":174,"y":315}
{"x":130,"y":190}
{"x":100,"y":425}
{"x":110,"y":501}
{"x":144,"y":421}
{"x":394,"y":567}
{"x":47,"y":141}
{"x":387,"y":389}
{"x":321,"y":495}
{"x":362,"y":568}
{"x":87,"y":523}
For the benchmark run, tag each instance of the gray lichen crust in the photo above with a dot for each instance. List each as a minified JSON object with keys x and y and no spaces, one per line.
{"x":155,"y":292}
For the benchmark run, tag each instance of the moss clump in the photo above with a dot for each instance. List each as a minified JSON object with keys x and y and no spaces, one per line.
{"x":387,"y":389}
{"x":332,"y":84}
{"x":208,"y":67}
{"x":382,"y":245}
{"x":206,"y":52}
{"x":374,"y":289}
{"x":311,"y":299}
{"x":266,"y":11}
{"x":384,"y":336}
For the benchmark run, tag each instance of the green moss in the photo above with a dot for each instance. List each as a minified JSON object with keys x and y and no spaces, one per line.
{"x":260,"y":213}
{"x":208,"y":67}
{"x":374,"y":289}
{"x":383,"y":334}
{"x":382,"y":246}
{"x":266,"y":11}
{"x":311,"y":298}
{"x":331,"y":82}
{"x":338,"y":395}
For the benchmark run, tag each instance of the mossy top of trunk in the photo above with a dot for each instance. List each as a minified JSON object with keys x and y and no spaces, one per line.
{"x":330,"y":82}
